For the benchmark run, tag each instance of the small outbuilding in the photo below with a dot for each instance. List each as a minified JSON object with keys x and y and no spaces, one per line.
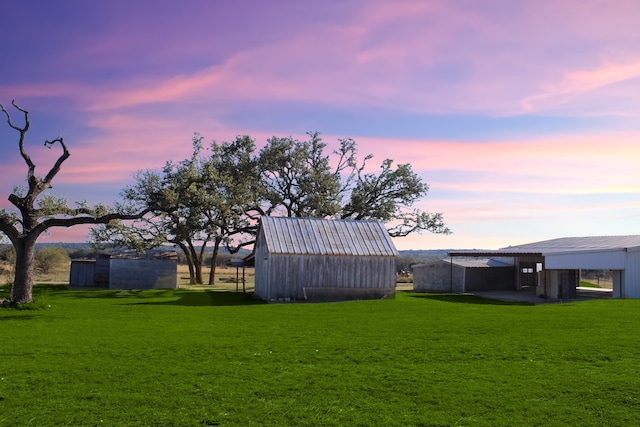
{"x":150,"y":270}
{"x":323,"y":260}
{"x":127,"y":270}
{"x":463,"y":275}
{"x":90,"y":272}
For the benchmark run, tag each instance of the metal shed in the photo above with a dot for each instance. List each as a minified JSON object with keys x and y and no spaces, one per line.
{"x":82,"y":273}
{"x":463,"y":275}
{"x":323,"y":260}
{"x":150,"y":270}
{"x":127,"y":270}
{"x":90,"y":272}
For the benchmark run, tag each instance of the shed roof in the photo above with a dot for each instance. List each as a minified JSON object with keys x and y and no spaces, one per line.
{"x":314,"y":236}
{"x":478,"y":263}
{"x":574,"y":244}
{"x":562,"y":245}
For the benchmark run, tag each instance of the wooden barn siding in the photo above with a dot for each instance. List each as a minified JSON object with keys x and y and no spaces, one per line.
{"x":286,"y":275}
{"x":261,"y":289}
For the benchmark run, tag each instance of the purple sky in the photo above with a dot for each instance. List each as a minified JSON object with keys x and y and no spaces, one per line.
{"x":522,"y":116}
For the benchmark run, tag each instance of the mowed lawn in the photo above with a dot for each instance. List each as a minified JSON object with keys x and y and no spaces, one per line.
{"x":198,"y":358}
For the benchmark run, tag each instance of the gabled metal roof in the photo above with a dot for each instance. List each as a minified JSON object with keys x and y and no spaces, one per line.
{"x":313,"y":236}
{"x":578,"y":244}
{"x":561,"y":245}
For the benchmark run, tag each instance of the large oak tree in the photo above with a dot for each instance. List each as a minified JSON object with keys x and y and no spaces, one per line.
{"x":200,"y":200}
{"x":219,"y":197}
{"x":302,"y":180}
{"x":37,"y":212}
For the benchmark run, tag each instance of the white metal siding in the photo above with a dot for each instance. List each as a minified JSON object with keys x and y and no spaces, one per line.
{"x":601,"y":260}
{"x":631,"y":276}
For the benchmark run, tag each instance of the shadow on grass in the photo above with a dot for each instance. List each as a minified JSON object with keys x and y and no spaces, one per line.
{"x":188,"y":298}
{"x":15,"y":316}
{"x":467,"y":299}
{"x":208,"y":298}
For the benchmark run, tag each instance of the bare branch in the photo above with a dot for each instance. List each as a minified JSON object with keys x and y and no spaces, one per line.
{"x":23,"y":131}
{"x":26,"y":117}
{"x":56,"y":167}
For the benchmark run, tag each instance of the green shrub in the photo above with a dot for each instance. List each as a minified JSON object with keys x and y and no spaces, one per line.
{"x":48,"y":258}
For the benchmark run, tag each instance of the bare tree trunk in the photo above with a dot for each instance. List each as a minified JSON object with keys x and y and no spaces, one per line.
{"x":22,"y":289}
{"x":214,"y":259}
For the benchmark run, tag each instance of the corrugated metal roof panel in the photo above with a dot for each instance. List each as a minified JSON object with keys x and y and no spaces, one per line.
{"x":559,"y":246}
{"x":572,"y":244}
{"x":479,"y":263}
{"x":312,"y":236}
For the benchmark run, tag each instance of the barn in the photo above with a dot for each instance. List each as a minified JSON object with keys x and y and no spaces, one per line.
{"x":553,"y":267}
{"x":323,"y":260}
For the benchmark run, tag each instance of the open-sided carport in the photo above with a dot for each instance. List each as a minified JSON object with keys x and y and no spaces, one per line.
{"x":553,"y":266}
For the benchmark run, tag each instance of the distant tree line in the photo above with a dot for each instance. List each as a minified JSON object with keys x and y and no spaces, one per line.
{"x":216,"y":196}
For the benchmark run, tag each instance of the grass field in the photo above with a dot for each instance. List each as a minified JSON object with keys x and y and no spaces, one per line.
{"x":203,"y":358}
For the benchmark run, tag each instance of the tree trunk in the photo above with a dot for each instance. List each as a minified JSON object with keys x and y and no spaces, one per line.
{"x":187,"y":254}
{"x":214,"y":259}
{"x":197,"y":263}
{"x":201,"y":255}
{"x":22,"y":289}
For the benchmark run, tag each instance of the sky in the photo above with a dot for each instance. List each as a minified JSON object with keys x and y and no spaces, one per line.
{"x":522,"y":116}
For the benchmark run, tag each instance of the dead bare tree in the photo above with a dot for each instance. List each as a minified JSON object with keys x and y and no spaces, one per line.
{"x":37,"y":212}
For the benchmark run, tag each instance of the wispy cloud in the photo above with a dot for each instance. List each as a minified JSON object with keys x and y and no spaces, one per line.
{"x":577,"y":83}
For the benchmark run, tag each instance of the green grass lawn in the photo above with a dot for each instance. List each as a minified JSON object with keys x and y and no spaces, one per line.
{"x":201,"y":358}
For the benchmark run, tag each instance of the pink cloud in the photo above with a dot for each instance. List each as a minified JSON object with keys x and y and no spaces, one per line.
{"x":579,"y":82}
{"x":414,"y":56}
{"x":555,"y":157}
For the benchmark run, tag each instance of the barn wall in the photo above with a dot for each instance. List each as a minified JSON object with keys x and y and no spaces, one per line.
{"x":323,"y":277}
{"x":437,"y":277}
{"x":143,"y":274}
